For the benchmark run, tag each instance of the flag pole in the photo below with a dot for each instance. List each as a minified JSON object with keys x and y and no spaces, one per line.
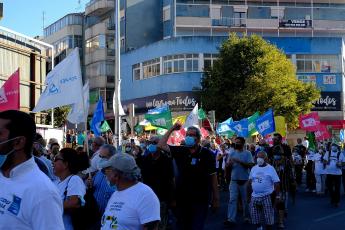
{"x":117,"y":121}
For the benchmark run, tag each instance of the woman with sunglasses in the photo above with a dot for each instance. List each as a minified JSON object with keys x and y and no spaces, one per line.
{"x":67,"y":164}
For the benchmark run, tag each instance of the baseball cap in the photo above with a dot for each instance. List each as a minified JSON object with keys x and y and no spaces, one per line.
{"x":122,"y":162}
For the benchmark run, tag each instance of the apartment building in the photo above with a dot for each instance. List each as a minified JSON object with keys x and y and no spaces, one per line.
{"x":310,"y":32}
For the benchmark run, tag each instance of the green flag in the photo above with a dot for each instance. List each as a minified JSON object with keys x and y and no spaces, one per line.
{"x":138,"y":129}
{"x":93,"y":97}
{"x":160,"y":120}
{"x":201,"y":114}
{"x":105,"y":127}
{"x":251,"y":123}
{"x":312,"y":141}
{"x":161,"y":131}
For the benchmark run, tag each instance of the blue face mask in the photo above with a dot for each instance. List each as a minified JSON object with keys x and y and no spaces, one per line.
{"x":142,"y":145}
{"x":3,"y":157}
{"x":190,"y":141}
{"x":152,"y":148}
{"x":113,"y":187}
{"x":277,"y":157}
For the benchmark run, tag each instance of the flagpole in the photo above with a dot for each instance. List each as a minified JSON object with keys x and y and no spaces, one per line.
{"x":117,"y":122}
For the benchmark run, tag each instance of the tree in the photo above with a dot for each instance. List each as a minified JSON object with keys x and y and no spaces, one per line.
{"x":253,"y":75}
{"x":60,"y":115}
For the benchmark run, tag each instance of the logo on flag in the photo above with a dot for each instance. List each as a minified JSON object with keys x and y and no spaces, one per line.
{"x":9,"y":93}
{"x":265,"y":124}
{"x":3,"y":98}
{"x":309,"y":122}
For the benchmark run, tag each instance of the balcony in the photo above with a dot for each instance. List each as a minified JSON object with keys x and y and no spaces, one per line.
{"x":230,"y":22}
{"x":99,"y":7}
{"x":99,"y":55}
{"x":99,"y":28}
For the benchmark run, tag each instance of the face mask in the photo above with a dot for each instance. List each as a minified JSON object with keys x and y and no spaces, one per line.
{"x":152,"y":148}
{"x":3,"y":157}
{"x":334,"y":149}
{"x":260,"y":161}
{"x":142,"y":145}
{"x":100,"y":163}
{"x":128,"y":149}
{"x":190,"y":141}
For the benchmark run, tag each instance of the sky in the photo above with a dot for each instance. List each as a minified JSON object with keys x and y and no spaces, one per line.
{"x":26,"y":16}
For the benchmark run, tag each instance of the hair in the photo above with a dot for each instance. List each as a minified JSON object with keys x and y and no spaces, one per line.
{"x":52,"y":145}
{"x":76,"y":162}
{"x":197,"y":131}
{"x":243,"y":141}
{"x":21,"y":124}
{"x":263,"y":152}
{"x":111,"y":149}
{"x":132,"y":176}
{"x":99,"y":141}
{"x":278,"y":135}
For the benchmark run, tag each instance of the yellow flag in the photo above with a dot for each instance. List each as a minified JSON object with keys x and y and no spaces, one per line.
{"x":150,"y":127}
{"x":280,"y":125}
{"x":182,"y":119}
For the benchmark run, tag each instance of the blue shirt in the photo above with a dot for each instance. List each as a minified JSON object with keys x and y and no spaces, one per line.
{"x":102,"y":190}
{"x":239,"y":172}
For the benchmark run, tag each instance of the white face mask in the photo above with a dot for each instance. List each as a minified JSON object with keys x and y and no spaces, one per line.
{"x":260,"y":161}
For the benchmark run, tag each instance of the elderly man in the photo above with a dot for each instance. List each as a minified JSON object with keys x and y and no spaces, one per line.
{"x":133,"y":205}
{"x":28,"y":198}
{"x":157,"y":172}
{"x":95,"y":159}
{"x":196,"y":178}
{"x":263,"y":189}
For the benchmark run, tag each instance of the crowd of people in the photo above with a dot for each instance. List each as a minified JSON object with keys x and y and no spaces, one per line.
{"x":148,"y":184}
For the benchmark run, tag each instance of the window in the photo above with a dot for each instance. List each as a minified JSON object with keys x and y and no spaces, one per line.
{"x":166,"y":13}
{"x":136,"y":71}
{"x":192,"y":62}
{"x":151,"y":68}
{"x":181,"y":63}
{"x":317,"y":63}
{"x":101,"y":68}
{"x":209,"y":60}
{"x":97,"y":42}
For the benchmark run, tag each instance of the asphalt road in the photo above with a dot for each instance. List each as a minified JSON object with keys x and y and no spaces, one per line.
{"x":309,"y":213}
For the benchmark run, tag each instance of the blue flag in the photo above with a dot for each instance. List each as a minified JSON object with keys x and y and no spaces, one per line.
{"x":265,"y":124}
{"x":240,"y":127}
{"x":159,"y":110}
{"x":98,"y":117}
{"x":224,"y":126}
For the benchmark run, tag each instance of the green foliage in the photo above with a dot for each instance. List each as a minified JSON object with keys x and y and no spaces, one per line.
{"x":252,"y":75}
{"x":60,"y":115}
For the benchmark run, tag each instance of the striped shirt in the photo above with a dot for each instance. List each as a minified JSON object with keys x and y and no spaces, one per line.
{"x":102,"y":190}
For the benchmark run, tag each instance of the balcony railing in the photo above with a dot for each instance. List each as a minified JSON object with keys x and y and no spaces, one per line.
{"x":230,"y":22}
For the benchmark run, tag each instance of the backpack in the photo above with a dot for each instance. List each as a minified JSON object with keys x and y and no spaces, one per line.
{"x":87,"y":215}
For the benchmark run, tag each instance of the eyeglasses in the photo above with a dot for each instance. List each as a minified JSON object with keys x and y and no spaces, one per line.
{"x":58,"y":159}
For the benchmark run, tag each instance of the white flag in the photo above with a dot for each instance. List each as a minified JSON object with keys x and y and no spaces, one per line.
{"x":63,"y":84}
{"x":121,"y":111}
{"x":80,"y":111}
{"x":192,"y":119}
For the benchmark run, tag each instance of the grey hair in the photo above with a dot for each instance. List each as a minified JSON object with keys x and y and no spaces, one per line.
{"x":263,"y":152}
{"x":111,"y":149}
{"x":197,"y":131}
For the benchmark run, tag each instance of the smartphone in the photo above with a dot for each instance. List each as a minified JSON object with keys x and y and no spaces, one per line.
{"x":132,"y":141}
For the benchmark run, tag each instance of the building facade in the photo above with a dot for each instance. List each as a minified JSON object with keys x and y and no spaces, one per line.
{"x":310,"y":32}
{"x":29,"y":55}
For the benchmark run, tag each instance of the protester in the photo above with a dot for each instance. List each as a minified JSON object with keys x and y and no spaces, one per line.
{"x":196,"y":180}
{"x":310,"y":179}
{"x":299,"y":157}
{"x":264,"y":183}
{"x":306,"y":143}
{"x":281,"y":158}
{"x":240,"y":162}
{"x":320,"y":172}
{"x":133,"y":205}
{"x":71,"y":187}
{"x":95,"y":159}
{"x":102,"y":190}
{"x":54,"y":150}
{"x":28,"y":198}
{"x":334,"y":160}
{"x":157,"y":173}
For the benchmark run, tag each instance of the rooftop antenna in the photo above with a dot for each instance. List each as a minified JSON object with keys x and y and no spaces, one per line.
{"x":79,"y":6}
{"x":43,"y":18}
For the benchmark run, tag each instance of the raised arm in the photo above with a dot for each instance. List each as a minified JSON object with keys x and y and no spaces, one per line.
{"x":162,"y":144}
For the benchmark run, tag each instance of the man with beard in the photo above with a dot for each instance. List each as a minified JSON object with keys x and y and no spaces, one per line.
{"x":196,"y":177}
{"x":281,"y":157}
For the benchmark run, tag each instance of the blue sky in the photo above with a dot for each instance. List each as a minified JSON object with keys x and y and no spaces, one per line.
{"x":25,"y":16}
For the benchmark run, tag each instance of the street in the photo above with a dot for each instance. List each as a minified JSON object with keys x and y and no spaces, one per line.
{"x":309,"y":213}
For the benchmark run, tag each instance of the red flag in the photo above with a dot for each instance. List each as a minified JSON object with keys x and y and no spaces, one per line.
{"x":9,"y":93}
{"x":177,"y":137}
{"x":204,"y":132}
{"x":322,"y":133}
{"x":309,"y":122}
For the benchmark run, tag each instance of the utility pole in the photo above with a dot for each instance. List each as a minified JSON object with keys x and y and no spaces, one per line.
{"x":43,"y":18}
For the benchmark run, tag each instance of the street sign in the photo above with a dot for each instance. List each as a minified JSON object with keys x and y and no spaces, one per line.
{"x":341,"y":135}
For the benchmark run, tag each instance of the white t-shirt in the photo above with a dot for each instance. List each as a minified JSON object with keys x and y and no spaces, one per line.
{"x":305,"y":143}
{"x":297,"y":159}
{"x":29,"y":200}
{"x":319,"y":167}
{"x":129,"y":209}
{"x":310,"y":156}
{"x":331,"y":167}
{"x":75,"y":187}
{"x":263,"y":179}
